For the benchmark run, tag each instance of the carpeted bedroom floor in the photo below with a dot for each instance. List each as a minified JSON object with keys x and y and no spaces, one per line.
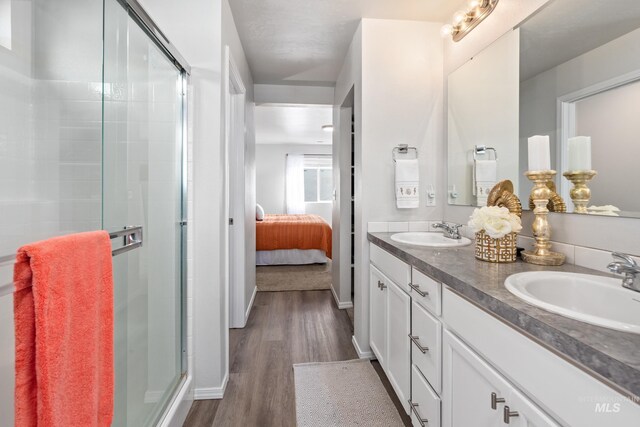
{"x":312,"y":277}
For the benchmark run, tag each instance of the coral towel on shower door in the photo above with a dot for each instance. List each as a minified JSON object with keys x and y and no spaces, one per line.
{"x":63,"y":310}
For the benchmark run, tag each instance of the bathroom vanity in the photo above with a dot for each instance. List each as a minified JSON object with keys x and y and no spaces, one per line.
{"x":460,"y":350}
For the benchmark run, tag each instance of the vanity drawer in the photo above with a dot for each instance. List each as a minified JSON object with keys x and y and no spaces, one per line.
{"x":432,"y":290}
{"x":426,"y":345}
{"x":424,"y":403}
{"x":398,"y":271}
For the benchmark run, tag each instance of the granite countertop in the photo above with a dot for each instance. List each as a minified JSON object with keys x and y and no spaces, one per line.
{"x":610,"y":354}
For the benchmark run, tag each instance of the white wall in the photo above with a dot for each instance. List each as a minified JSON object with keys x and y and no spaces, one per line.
{"x":270,"y":178}
{"x":396,"y":67}
{"x":291,"y":94}
{"x":593,"y":232}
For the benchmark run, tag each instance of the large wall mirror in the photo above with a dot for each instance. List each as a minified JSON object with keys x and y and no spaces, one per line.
{"x":571,"y":70}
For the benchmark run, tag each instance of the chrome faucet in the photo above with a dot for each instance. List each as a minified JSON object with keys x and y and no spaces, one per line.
{"x":451,"y":231}
{"x":629,"y":268}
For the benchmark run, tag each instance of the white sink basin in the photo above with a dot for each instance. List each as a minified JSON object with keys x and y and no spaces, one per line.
{"x":434,"y":240}
{"x":597,"y":300}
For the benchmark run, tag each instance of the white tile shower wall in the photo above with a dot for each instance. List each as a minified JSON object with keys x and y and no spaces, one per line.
{"x":50,"y":140}
{"x":401,"y":226}
{"x":596,"y":259}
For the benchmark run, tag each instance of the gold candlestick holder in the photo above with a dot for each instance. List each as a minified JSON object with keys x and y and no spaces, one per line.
{"x":540,"y":194}
{"x":580,"y":193}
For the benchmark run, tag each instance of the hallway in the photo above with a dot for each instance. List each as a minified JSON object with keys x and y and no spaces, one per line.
{"x":284,"y":328}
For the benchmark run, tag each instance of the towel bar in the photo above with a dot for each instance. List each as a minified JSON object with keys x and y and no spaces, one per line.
{"x":403,"y":149}
{"x":132,"y":236}
{"x":480,"y":150}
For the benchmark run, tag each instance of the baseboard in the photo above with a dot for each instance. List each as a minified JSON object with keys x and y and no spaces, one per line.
{"x":339,"y":304}
{"x":179,"y":408}
{"x":361,"y":354}
{"x":248,"y":312}
{"x":211,"y":392}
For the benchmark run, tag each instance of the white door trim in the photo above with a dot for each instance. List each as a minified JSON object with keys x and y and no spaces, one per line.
{"x":235,"y":93}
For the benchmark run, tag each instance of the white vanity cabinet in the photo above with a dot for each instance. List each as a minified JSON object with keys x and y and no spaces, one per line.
{"x":390,"y":321}
{"x":398,"y":350}
{"x":474,"y":394}
{"x":378,"y":285}
{"x":452,"y":364}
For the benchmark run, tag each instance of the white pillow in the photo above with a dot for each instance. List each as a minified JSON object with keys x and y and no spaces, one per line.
{"x":259,"y":213}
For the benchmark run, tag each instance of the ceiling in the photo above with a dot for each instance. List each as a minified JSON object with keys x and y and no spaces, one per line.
{"x":292,"y":124}
{"x":305,"y":42}
{"x":568,"y":28}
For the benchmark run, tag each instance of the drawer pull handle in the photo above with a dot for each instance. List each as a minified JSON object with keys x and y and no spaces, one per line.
{"x":495,"y":400}
{"x":508,"y":414}
{"x":417,"y":343}
{"x":414,"y":409}
{"x":417,"y":289}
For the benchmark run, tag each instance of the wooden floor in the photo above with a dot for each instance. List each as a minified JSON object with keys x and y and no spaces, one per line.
{"x":284,"y":328}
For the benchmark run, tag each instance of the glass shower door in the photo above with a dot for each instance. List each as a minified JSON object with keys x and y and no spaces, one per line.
{"x":142,"y":185}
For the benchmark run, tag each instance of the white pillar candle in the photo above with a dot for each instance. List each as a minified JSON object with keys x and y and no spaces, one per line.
{"x":579,"y":153}
{"x":539,"y":153}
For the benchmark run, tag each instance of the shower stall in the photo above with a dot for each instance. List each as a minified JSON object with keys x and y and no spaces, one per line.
{"x":93,"y":136}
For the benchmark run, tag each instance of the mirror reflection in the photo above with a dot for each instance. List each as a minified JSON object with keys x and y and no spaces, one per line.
{"x":578,"y":87}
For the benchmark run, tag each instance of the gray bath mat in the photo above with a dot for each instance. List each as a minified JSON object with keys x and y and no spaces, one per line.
{"x":342,"y":394}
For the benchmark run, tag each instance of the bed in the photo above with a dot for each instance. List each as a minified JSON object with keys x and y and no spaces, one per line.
{"x":292,"y":239}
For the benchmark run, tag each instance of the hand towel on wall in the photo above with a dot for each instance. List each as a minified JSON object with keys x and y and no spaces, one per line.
{"x":63,"y":311}
{"x":485,"y":176}
{"x":407,"y":184}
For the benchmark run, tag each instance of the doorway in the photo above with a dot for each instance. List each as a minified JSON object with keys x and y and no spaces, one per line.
{"x":236,"y":206}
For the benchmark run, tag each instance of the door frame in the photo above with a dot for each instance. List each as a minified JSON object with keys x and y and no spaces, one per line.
{"x":567,"y":120}
{"x":234,"y":139}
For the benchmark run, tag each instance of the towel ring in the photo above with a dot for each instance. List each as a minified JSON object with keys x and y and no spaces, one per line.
{"x":481,"y":150}
{"x":403,"y":149}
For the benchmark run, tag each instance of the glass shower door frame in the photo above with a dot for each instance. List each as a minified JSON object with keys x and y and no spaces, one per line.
{"x":137,"y":13}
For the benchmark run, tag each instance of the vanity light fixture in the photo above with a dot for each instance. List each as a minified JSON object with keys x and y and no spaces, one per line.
{"x":465,"y":21}
{"x":327,"y":128}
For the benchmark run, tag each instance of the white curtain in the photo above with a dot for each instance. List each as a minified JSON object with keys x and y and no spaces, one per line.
{"x":294,"y":180}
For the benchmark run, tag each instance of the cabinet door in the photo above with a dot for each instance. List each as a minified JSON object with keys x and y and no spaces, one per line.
{"x":467,"y":387}
{"x":378,"y":285}
{"x":398,"y":345}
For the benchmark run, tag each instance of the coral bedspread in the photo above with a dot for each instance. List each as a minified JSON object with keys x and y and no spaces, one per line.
{"x":293,"y":232}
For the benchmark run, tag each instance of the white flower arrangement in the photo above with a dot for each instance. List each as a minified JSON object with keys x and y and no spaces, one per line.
{"x":496,"y":221}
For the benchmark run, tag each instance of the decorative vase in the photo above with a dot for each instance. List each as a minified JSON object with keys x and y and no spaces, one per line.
{"x":496,"y":250}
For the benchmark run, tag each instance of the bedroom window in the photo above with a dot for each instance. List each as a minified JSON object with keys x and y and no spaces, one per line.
{"x":318,"y":179}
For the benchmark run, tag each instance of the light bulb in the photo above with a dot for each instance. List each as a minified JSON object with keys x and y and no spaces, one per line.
{"x":474,"y":3}
{"x":446,"y":30}
{"x":459,"y":17}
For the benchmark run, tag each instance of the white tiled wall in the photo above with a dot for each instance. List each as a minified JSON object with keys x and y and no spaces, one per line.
{"x":596,"y":259}
{"x":50,"y":140}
